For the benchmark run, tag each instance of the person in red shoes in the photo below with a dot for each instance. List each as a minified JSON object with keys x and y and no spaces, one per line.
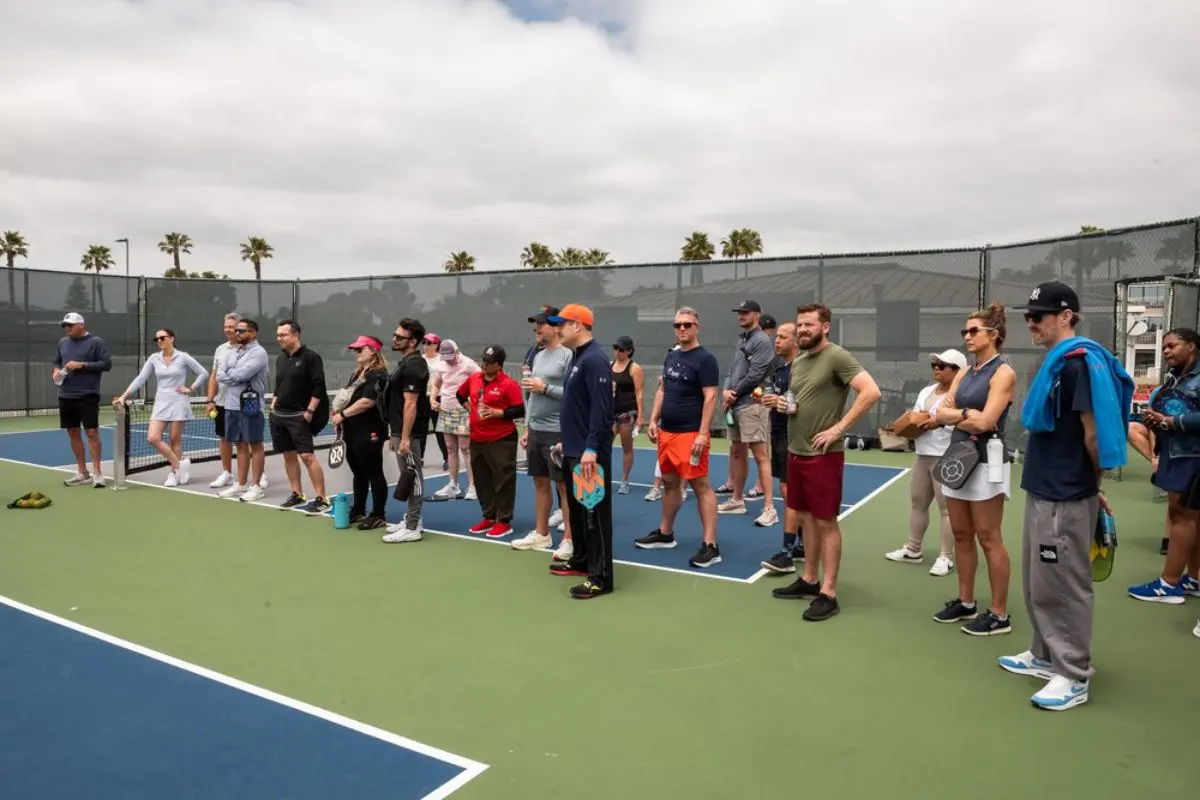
{"x":495,"y":402}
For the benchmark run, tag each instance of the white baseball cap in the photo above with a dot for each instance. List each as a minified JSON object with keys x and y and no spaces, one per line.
{"x":950,"y":357}
{"x":72,"y":319}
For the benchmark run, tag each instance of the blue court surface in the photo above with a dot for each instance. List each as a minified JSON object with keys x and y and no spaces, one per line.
{"x":135,"y":724}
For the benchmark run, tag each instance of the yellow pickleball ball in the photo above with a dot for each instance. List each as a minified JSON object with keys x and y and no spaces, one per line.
{"x":212,"y":414}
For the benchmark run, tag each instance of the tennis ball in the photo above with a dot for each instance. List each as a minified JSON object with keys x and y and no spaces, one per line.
{"x":212,"y":414}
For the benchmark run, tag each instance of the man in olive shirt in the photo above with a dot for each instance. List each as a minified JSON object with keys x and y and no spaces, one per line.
{"x":822,"y":377}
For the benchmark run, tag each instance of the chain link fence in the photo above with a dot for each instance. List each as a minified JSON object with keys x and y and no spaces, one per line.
{"x":891,"y":309}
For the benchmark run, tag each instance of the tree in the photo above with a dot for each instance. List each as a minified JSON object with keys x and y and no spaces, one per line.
{"x":570,"y":257}
{"x":97,"y":258}
{"x":459,"y":262}
{"x":537,"y":256}
{"x":175,"y":244}
{"x":206,"y":275}
{"x":741,"y":243}
{"x":78,"y":298}
{"x":597,"y":258}
{"x":254,"y":250}
{"x":1177,"y":250}
{"x":13,"y":246}
{"x":697,"y":247}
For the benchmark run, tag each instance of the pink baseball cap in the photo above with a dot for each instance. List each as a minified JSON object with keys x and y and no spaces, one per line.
{"x":369,"y":342}
{"x":432,"y":338}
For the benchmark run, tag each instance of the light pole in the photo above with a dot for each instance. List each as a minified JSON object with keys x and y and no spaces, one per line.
{"x":125,"y":242}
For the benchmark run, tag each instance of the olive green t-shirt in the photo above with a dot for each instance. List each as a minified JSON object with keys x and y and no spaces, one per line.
{"x":820,"y":383}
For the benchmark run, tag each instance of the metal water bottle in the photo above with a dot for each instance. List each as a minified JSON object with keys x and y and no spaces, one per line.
{"x":995,"y":460}
{"x":341,"y":511}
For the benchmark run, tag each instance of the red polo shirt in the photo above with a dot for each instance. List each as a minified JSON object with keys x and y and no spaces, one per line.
{"x":501,"y":392}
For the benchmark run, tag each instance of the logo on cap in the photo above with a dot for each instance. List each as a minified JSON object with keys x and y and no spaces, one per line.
{"x":1036,"y":294}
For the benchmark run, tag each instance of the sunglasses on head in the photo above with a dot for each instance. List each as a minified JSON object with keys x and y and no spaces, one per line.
{"x":684,"y":325}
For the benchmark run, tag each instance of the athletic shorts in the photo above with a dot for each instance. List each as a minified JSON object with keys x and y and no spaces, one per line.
{"x":79,"y":412}
{"x":241,"y":427}
{"x":751,"y":423}
{"x":219,"y":422}
{"x":779,"y":459}
{"x":291,"y":435}
{"x":537,"y":454}
{"x":815,"y":484}
{"x":675,"y":453}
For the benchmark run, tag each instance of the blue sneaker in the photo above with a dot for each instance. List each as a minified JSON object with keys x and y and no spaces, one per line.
{"x":1157,"y":591}
{"x":1027,"y":664}
{"x":1060,"y":694}
{"x":1189,"y":586}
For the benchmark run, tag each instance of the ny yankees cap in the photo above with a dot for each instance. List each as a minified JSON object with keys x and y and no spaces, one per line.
{"x":1053,"y":296}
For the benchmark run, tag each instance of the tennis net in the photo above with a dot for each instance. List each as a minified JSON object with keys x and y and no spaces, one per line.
{"x":199,"y":441}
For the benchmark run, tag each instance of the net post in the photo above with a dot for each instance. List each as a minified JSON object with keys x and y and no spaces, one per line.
{"x":120,"y":447}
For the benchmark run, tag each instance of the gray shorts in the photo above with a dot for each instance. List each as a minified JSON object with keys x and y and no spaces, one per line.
{"x":537,"y":452}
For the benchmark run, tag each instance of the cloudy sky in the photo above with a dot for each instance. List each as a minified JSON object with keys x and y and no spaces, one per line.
{"x":372,"y":137}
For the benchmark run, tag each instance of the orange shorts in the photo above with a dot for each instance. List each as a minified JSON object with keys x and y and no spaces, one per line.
{"x":675,"y":455}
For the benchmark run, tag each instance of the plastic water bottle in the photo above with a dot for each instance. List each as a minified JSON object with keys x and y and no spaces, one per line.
{"x":790,"y":397}
{"x":341,"y":511}
{"x":995,"y":460}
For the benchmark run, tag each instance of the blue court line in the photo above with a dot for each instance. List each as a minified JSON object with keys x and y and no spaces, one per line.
{"x":84,"y":714}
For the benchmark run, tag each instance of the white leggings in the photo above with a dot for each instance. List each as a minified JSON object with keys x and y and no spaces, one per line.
{"x":924,"y":490}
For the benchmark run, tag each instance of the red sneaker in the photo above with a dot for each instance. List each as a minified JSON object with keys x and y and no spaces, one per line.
{"x":499,"y":529}
{"x":483,"y":526}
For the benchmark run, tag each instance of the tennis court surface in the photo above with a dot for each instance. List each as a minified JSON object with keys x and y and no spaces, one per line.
{"x":163,"y":643}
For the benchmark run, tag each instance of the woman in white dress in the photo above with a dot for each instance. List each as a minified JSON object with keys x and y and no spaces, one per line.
{"x":170,"y":368}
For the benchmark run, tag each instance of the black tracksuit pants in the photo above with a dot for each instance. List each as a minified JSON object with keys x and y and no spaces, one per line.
{"x":593,"y":548}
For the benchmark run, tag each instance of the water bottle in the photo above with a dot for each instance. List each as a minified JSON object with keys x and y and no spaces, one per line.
{"x":636,"y":430}
{"x":341,"y":511}
{"x":790,"y":397}
{"x":695,"y":459}
{"x":995,"y":460}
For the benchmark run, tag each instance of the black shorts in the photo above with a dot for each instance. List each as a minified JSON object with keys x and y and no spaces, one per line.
{"x":219,"y":422}
{"x":79,"y":412}
{"x":538,"y":455}
{"x":291,"y":434}
{"x":779,"y":459}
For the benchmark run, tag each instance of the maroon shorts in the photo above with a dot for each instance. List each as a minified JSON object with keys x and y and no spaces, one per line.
{"x":814,"y":484}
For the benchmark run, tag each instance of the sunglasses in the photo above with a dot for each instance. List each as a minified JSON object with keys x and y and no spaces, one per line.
{"x":936,"y":365}
{"x":965,"y":332}
{"x":684,"y":325}
{"x":1035,"y":316}
{"x":161,"y":338}
{"x":241,"y":331}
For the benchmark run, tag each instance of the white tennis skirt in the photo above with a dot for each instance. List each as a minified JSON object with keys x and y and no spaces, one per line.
{"x":170,"y":406}
{"x":978,"y":487}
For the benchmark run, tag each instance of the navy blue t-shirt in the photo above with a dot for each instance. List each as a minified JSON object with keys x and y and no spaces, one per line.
{"x":781,"y":379}
{"x":685,"y":375}
{"x":1057,"y":467}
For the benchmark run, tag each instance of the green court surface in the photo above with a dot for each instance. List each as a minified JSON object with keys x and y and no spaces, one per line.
{"x":673,"y":687}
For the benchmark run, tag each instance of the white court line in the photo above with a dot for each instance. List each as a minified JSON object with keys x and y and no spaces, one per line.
{"x":471,"y":769}
{"x":903,"y":471}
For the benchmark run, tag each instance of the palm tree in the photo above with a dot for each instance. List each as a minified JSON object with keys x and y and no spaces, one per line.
{"x":13,"y":245}
{"x":175,"y":244}
{"x":254,"y":250}
{"x":569,"y":257}
{"x":597,"y":258}
{"x":97,"y":258}
{"x":537,"y":256}
{"x":1177,"y":250}
{"x":741,"y":243}
{"x":459,"y":262}
{"x":697,"y":247}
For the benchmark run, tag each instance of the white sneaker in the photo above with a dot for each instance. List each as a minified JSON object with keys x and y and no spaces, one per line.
{"x":1196,"y":630}
{"x":556,"y":518}
{"x":654,"y":494}
{"x":1060,"y":694}
{"x":904,"y":556}
{"x":564,"y":551}
{"x":767,"y":518}
{"x":1026,"y":664}
{"x":78,"y":479}
{"x":400,"y":532}
{"x":172,"y":479}
{"x":231,"y":491}
{"x":731,"y":507}
{"x":942,"y":567}
{"x":97,"y":481}
{"x":263,"y":484}
{"x":223,"y":480}
{"x":253,"y":495}
{"x":470,"y":495}
{"x":185,"y":466}
{"x":623,"y":488}
{"x":447,"y":492}
{"x":532,"y":541}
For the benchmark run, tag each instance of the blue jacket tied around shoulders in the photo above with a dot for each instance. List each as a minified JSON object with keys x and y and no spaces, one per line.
{"x":1112,"y":397}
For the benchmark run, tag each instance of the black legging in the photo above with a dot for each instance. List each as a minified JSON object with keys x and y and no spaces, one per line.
{"x":365,"y":458}
{"x":441,"y":437}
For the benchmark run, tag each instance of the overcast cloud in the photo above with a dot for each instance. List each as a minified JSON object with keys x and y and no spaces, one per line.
{"x":376,"y":137}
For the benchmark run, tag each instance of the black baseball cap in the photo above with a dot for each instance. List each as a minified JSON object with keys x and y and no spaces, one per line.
{"x":749,"y":305}
{"x":767,"y":322}
{"x":1053,"y":296}
{"x":493,"y":354}
{"x":542,"y":316}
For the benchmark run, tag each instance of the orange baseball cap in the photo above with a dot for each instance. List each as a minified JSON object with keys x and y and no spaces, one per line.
{"x":573,"y":312}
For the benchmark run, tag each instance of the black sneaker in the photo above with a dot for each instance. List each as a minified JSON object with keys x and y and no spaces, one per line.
{"x":798,"y":552}
{"x":293,"y":500}
{"x":587,"y":590}
{"x":357,"y":517}
{"x":1162,"y":548}
{"x":706,"y":556}
{"x":724,"y":488}
{"x":797,"y":590}
{"x":565,"y":569}
{"x":988,"y":624}
{"x":656,"y":540}
{"x":822,"y":608}
{"x":371,"y":523}
{"x":779,"y":563}
{"x":956,"y":611}
{"x":316,"y":507}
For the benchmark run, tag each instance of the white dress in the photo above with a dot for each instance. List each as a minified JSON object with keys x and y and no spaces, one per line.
{"x":169,"y":405}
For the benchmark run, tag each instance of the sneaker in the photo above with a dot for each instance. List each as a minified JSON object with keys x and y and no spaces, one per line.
{"x":447,"y":492}
{"x":223,"y":480}
{"x":706,"y":556}
{"x":97,"y":481}
{"x":956,"y":611}
{"x":656,"y":540}
{"x":172,"y":479}
{"x":371,"y":523}
{"x":942,"y":567}
{"x":587,"y":590}
{"x":1060,"y":694}
{"x":1162,"y":548}
{"x":988,"y":624}
{"x":470,"y":495}
{"x":1157,"y":591}
{"x":732,"y":507}
{"x":797,"y":590}
{"x":1189,"y":586}
{"x":78,"y":479}
{"x":316,"y":507}
{"x":400,"y":532}
{"x":654,"y":495}
{"x":1027,"y":664}
{"x":532,"y":541}
{"x":445,"y":466}
{"x":483,"y":526}
{"x":821,"y":609}
{"x":499,"y":530}
{"x":904,"y":556}
{"x":556,"y":518}
{"x":252,"y":495}
{"x":564,"y":569}
{"x":724,"y":488}
{"x":780,"y":563}
{"x":754,"y":493}
{"x":623,"y":488}
{"x":230,"y":492}
{"x":294,"y":499}
{"x":798,"y":550}
{"x":1196,"y":630}
{"x":767,"y":518}
{"x":185,"y":471}
{"x":564,"y":551}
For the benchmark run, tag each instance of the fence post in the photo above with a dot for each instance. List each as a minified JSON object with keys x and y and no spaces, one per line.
{"x":120,"y":447}
{"x":141,"y":328}
{"x":985,"y":269}
{"x":821,"y":279}
{"x":28,"y":365}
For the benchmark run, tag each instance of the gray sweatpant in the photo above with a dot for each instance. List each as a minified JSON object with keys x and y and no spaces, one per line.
{"x":416,"y":500}
{"x":1058,"y":582}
